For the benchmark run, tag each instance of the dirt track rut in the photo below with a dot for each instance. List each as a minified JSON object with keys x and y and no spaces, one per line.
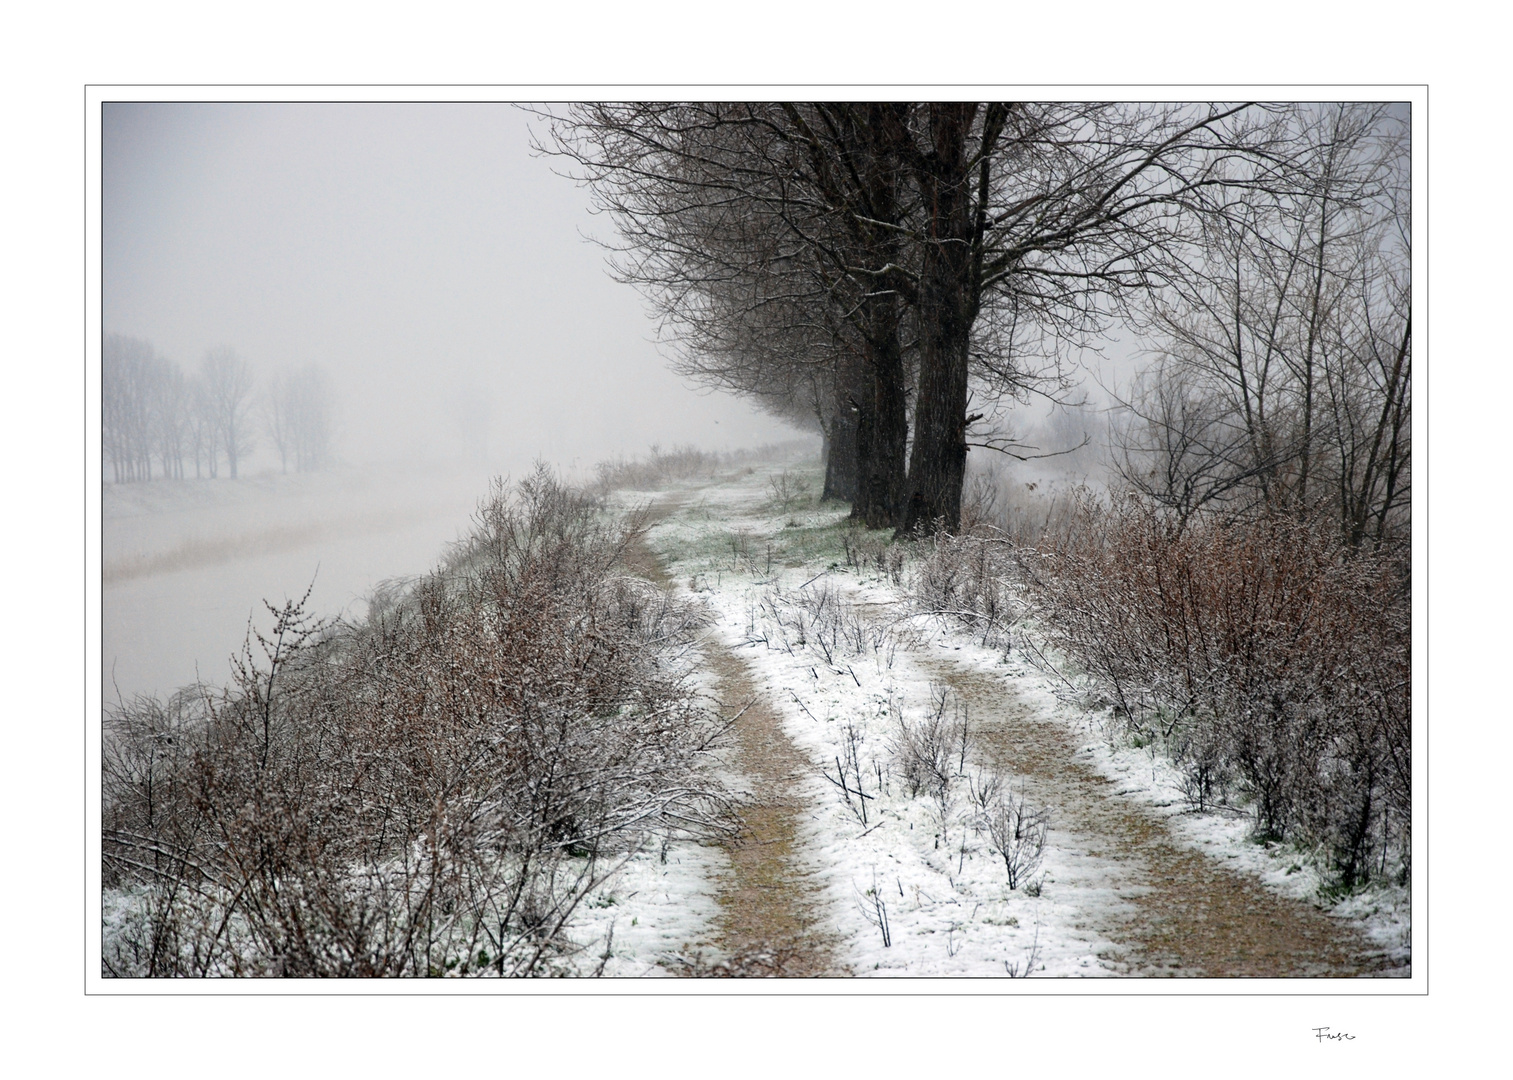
{"x":769,"y":906}
{"x":1185,"y":914}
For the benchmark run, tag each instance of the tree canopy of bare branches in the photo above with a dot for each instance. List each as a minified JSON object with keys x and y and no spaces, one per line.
{"x":893,"y":246}
{"x":1281,"y":345}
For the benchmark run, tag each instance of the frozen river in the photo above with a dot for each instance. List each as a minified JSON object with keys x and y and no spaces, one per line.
{"x":186,"y":563}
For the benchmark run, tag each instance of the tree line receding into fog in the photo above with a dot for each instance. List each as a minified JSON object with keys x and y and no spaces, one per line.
{"x":895,"y":273}
{"x":157,"y":422}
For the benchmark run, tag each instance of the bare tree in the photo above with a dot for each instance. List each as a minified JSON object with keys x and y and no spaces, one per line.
{"x":277,"y":418}
{"x":170,"y":417}
{"x":297,"y":414}
{"x":127,"y":371}
{"x":227,"y":381}
{"x":1043,"y":219}
{"x":1282,"y":366}
{"x":204,"y":436}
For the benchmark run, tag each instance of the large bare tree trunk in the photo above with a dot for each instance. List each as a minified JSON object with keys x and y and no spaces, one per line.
{"x":841,"y":450}
{"x":948,"y":301}
{"x":885,"y":438}
{"x":882,"y":420}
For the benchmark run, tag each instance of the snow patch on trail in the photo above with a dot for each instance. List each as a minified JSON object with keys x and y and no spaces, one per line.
{"x":656,"y":909}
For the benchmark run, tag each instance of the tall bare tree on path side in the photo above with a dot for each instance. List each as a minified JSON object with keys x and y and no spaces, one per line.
{"x":1038,"y":222}
{"x":765,"y":237}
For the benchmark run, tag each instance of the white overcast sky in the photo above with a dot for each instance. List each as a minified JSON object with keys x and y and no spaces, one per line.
{"x":420,"y":252}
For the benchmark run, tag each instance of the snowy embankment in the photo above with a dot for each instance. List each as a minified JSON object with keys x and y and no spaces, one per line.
{"x":913,"y":883}
{"x":897,"y":825}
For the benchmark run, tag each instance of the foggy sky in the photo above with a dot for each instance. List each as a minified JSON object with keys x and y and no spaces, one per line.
{"x":419,"y":252}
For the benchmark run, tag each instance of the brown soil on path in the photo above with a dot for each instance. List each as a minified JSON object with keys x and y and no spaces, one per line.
{"x":768,"y":902}
{"x":1188,"y":915}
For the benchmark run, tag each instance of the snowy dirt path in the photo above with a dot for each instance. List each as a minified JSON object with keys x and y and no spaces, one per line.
{"x":768,"y":901}
{"x":880,"y":878}
{"x":1185,"y":914}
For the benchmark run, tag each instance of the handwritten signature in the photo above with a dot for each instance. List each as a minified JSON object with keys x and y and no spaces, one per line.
{"x":1323,"y":1034}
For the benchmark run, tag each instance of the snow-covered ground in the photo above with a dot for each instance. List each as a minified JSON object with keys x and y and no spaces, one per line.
{"x":765,"y":561}
{"x":909,"y":885}
{"x":657,"y":911}
{"x":933,"y":882}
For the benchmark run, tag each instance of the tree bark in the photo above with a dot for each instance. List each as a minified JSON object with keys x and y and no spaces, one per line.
{"x":947,"y":306}
{"x":841,"y":448}
{"x":882,"y":420}
{"x":884,"y":413}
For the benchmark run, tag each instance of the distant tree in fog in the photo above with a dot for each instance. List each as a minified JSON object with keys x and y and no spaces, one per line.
{"x":297,"y":415}
{"x":144,"y":410}
{"x":171,"y":403}
{"x":202,"y":430}
{"x":276,"y":419}
{"x":125,"y":407}
{"x":227,"y":380}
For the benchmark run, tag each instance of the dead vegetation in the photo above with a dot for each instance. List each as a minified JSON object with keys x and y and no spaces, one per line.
{"x":661,"y":468}
{"x":1266,"y":657}
{"x":433,"y":791}
{"x":1263,"y":654}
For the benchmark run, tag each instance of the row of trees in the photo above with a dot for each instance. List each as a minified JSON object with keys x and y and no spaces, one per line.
{"x":898,"y":271}
{"x":155,"y":418}
{"x":850,"y":262}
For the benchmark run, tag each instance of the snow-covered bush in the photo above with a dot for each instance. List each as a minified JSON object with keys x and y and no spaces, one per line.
{"x":432,"y":791}
{"x":1019,"y":832}
{"x":965,"y":580}
{"x":1262,"y":649}
{"x":930,"y":753}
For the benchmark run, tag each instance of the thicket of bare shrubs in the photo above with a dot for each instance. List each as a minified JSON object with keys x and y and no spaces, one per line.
{"x":1267,"y":656}
{"x":1263,"y":651}
{"x":966,"y":580}
{"x":431,"y":791}
{"x":659,"y":468}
